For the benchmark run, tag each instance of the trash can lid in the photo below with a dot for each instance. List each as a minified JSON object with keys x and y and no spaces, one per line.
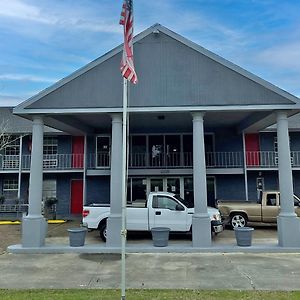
{"x":160,"y":228}
{"x":77,"y":229}
{"x":244,"y":228}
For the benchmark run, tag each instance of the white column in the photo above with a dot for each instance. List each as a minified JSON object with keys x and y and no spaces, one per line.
{"x":114,"y":222}
{"x":201,"y":225}
{"x":288,"y":222}
{"x":34,"y":226}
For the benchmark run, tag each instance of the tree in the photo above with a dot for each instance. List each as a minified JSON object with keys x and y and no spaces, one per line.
{"x":6,"y":138}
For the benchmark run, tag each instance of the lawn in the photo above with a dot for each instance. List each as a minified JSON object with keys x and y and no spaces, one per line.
{"x":144,"y":295}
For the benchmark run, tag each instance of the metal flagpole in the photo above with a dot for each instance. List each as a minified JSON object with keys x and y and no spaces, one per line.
{"x":124,"y":185}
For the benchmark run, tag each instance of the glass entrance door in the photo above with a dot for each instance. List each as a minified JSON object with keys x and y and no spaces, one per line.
{"x":173,"y":185}
{"x":156,"y":184}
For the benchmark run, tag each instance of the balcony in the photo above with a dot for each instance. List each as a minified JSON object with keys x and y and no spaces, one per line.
{"x":254,"y":160}
{"x":268,"y":159}
{"x":9,"y":162}
{"x":170,"y":160}
{"x":50,"y":162}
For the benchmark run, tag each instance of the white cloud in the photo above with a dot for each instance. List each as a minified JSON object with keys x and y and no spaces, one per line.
{"x":18,"y":9}
{"x":27,"y":77}
{"x":282,"y":55}
{"x":58,"y":17}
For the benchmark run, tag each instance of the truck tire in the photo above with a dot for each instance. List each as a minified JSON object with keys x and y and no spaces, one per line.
{"x":238,"y":220}
{"x":103,"y":231}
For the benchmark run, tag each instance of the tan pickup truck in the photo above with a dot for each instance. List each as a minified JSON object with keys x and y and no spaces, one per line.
{"x":266,"y":210}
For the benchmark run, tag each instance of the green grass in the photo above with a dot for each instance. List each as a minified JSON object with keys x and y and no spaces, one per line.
{"x":144,"y":295}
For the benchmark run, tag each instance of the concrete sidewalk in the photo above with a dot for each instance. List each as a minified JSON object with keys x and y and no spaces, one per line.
{"x":237,"y":271}
{"x":267,"y":271}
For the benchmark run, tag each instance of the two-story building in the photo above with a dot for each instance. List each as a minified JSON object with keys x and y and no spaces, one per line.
{"x":195,"y":122}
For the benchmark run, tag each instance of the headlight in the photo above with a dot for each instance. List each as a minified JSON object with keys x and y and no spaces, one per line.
{"x":216,"y":217}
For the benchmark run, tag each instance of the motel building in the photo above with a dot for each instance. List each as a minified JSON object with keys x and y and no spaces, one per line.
{"x":197,"y":127}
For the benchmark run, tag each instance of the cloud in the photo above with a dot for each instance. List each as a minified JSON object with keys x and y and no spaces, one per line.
{"x":60,"y":16}
{"x":282,"y":55}
{"x":24,"y":77}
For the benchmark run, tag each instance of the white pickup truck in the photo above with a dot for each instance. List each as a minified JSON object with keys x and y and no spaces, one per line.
{"x":162,"y":209}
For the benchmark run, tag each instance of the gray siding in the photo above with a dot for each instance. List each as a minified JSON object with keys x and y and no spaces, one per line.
{"x":270,"y":181}
{"x":170,"y":74}
{"x":64,"y":144}
{"x":230,"y":187}
{"x":98,"y":189}
{"x":228,"y":141}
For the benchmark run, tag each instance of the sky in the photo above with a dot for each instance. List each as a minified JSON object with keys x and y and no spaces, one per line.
{"x":42,"y":41}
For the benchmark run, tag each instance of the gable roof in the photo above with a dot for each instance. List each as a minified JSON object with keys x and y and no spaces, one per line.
{"x":173,"y":71}
{"x":12,"y":124}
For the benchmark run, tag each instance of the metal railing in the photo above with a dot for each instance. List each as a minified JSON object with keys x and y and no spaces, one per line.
{"x":268,"y":159}
{"x":9,"y":162}
{"x":224,"y":159}
{"x":254,"y":159}
{"x":57,"y":161}
{"x":170,"y":160}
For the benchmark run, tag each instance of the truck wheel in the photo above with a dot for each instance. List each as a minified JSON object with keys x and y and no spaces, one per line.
{"x":238,"y":220}
{"x":103,"y":231}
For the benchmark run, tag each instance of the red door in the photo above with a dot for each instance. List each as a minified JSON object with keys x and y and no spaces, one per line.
{"x":77,"y":152}
{"x":252,"y":149}
{"x":76,"y":196}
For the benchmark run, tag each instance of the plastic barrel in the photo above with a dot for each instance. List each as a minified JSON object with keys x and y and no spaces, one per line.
{"x":160,"y":236}
{"x":243,"y":236}
{"x":77,"y":236}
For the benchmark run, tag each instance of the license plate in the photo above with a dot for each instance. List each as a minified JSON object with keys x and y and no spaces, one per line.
{"x":218,"y":228}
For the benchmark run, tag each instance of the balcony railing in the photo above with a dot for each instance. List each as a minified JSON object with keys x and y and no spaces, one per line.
{"x":57,"y":161}
{"x":254,"y":159}
{"x":269,"y":159}
{"x":171,"y":160}
{"x":9,"y":162}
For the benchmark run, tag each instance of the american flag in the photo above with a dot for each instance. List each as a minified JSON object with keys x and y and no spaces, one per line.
{"x":127,"y":66}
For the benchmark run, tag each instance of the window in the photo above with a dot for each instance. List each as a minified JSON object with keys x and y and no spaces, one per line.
{"x":50,"y":145}
{"x":50,"y":152}
{"x":10,"y":188}
{"x":49,"y":189}
{"x":164,"y":203}
{"x":271,"y":199}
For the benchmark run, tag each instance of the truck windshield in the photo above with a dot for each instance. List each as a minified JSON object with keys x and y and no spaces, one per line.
{"x":187,"y":203}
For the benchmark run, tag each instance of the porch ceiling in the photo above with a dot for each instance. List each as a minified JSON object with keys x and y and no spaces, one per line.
{"x":152,"y":122}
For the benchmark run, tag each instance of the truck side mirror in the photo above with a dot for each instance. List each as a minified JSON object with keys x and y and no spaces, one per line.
{"x":179,"y":207}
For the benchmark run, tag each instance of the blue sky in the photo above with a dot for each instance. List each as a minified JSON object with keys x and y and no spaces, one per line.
{"x":43,"y":41}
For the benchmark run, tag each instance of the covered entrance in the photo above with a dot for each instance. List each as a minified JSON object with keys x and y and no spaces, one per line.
{"x":139,"y":188}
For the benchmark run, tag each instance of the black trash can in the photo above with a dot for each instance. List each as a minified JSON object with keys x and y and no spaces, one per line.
{"x":243,"y":236}
{"x":160,"y":236}
{"x":77,"y":236}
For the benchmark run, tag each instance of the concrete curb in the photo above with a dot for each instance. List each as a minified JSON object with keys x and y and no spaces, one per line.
{"x":143,"y":248}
